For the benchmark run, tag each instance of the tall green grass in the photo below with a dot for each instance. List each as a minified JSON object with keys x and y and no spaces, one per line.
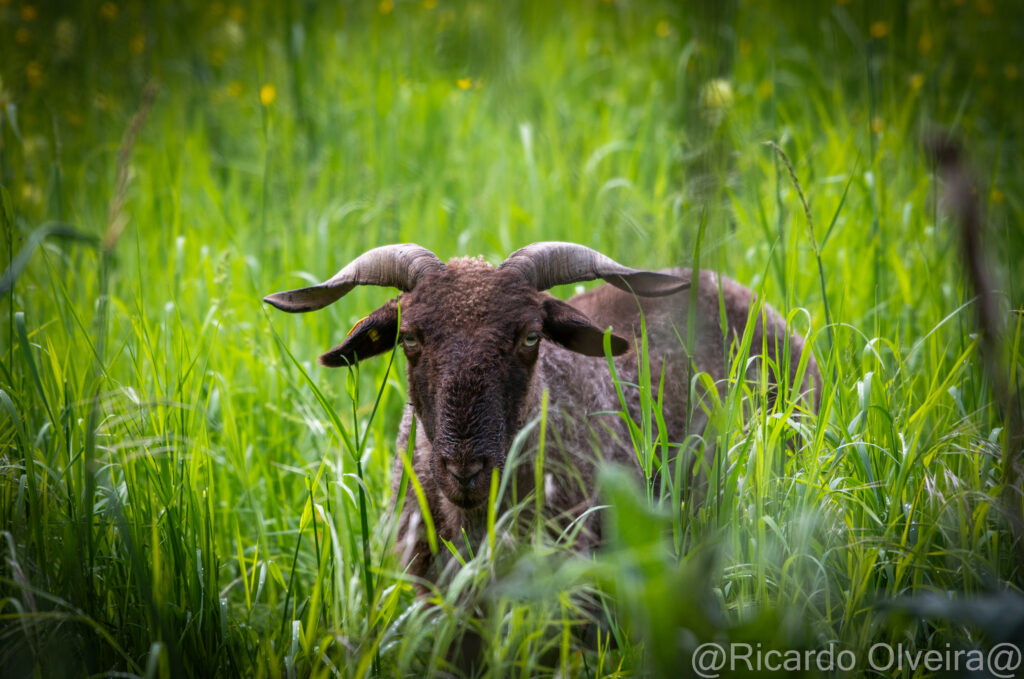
{"x":184,"y":492}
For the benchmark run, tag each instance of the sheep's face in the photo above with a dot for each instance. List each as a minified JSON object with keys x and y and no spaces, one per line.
{"x":472,"y":336}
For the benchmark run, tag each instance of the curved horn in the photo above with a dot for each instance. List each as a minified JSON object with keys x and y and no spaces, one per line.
{"x":547,"y":264}
{"x":396,"y":266}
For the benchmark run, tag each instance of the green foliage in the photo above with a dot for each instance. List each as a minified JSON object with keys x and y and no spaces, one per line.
{"x":184,"y":492}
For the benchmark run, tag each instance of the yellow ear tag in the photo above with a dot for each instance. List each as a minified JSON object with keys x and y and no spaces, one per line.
{"x":374,"y":335}
{"x":358,"y":323}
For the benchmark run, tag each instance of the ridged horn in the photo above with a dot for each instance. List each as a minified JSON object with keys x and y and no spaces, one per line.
{"x":398,"y":266}
{"x":550,"y":263}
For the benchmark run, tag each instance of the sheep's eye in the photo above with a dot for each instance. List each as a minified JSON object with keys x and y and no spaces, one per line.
{"x":409,"y":341}
{"x":531,"y":339}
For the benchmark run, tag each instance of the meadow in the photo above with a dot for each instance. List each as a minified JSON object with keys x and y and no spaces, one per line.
{"x":185,"y":492}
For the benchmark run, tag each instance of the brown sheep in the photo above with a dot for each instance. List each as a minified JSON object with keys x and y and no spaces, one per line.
{"x":484,"y":343}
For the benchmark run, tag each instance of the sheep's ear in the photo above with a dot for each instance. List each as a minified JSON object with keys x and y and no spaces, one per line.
{"x":574,"y":331}
{"x":373,"y":335}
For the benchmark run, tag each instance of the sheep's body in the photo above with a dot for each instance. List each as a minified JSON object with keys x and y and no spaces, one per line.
{"x":582,"y":426}
{"x":477,"y":369}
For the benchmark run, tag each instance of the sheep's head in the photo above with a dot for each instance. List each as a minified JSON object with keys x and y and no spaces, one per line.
{"x":471,"y":334}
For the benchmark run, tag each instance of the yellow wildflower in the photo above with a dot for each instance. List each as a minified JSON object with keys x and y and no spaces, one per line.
{"x":429,"y":4}
{"x":663,"y":29}
{"x":268,"y":93}
{"x":877,"y":125}
{"x":986,"y":7}
{"x":34,"y":74}
{"x":879,"y":29}
{"x":237,"y":14}
{"x":29,"y":13}
{"x":765,"y":89}
{"x":22,"y":36}
{"x":386,"y":6}
{"x":234,"y":89}
{"x":1010,"y":71}
{"x":745,"y":47}
{"x":924,"y":43}
{"x":916,"y":81}
{"x":997,"y":195}
{"x":464,"y":83}
{"x":981,"y":69}
{"x":137,"y":44}
{"x":108,"y":11}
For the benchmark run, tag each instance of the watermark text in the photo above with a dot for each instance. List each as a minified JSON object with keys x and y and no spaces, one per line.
{"x":712,"y":660}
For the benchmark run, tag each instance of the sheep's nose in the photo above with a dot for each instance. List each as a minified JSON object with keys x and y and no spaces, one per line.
{"x":464,"y":473}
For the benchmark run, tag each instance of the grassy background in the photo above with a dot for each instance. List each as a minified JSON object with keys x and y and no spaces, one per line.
{"x":180,"y":496}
